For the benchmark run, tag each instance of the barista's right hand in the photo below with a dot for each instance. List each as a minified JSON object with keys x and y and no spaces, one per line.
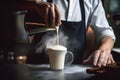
{"x":50,"y":13}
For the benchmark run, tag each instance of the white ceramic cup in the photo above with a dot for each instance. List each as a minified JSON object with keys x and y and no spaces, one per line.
{"x":57,"y":55}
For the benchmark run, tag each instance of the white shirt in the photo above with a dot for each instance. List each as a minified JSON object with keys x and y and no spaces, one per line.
{"x":94,"y":13}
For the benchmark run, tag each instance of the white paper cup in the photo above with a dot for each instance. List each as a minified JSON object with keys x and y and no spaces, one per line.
{"x":57,"y":55}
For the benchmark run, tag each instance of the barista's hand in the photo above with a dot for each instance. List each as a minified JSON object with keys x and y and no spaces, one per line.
{"x":102,"y":56}
{"x":50,"y":13}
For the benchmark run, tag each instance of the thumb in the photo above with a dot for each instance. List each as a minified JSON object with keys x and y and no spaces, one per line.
{"x":88,"y":60}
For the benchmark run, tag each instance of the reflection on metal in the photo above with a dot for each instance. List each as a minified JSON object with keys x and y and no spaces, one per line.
{"x":37,"y":28}
{"x":37,"y":24}
{"x":35,"y":31}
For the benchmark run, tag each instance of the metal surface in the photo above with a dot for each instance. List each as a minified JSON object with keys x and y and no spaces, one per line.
{"x":40,"y":30}
{"x":37,"y":28}
{"x":43,"y":72}
{"x":71,"y":72}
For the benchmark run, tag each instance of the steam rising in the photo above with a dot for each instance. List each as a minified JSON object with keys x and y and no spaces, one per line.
{"x":71,"y":43}
{"x":49,"y":40}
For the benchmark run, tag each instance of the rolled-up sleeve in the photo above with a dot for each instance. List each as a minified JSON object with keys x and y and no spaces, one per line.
{"x":99,"y":22}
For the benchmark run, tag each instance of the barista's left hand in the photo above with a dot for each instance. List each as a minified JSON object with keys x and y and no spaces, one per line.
{"x":102,"y":56}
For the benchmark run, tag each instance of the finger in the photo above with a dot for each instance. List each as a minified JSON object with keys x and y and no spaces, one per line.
{"x":109,"y":61}
{"x":57,"y":16}
{"x":95,"y":60}
{"x":101,"y":58}
{"x":43,"y":9}
{"x":112,"y":59}
{"x":89,"y":59}
{"x":106,"y":58}
{"x":109,"y":57}
{"x":105,"y":61}
{"x":51,"y":16}
{"x":46,"y":15}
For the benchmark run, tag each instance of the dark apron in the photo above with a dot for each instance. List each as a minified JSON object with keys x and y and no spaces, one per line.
{"x":76,"y":38}
{"x":76,"y":33}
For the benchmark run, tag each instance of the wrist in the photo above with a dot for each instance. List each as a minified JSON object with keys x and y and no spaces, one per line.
{"x":107,"y":43}
{"x":37,"y":1}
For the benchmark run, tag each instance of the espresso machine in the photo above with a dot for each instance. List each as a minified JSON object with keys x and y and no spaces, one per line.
{"x":14,"y":40}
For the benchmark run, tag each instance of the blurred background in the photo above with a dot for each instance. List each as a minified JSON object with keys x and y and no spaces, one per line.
{"x":112,"y":8}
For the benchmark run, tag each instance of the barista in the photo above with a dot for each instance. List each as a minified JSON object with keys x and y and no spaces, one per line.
{"x":76,"y":16}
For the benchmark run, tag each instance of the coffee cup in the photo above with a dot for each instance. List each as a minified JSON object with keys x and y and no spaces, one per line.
{"x":57,"y":55}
